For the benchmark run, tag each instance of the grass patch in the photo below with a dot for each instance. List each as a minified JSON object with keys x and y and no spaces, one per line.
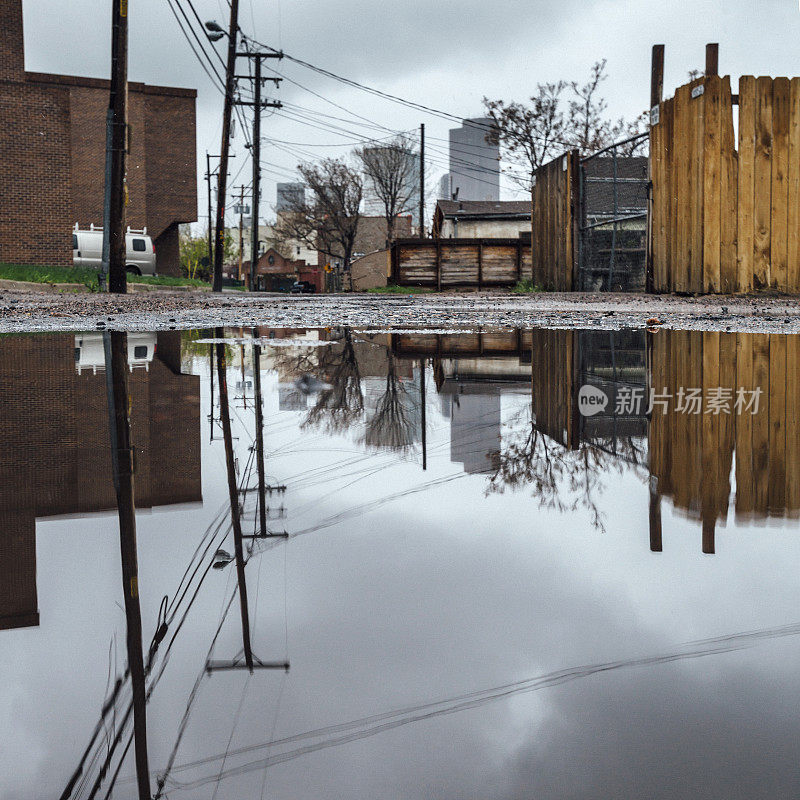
{"x":526,"y":286}
{"x":39,"y":274}
{"x":84,"y":275}
{"x":399,"y":290}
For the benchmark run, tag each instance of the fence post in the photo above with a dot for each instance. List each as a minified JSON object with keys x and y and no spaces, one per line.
{"x":656,"y":95}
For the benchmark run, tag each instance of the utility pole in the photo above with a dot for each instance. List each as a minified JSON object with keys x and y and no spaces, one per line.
{"x":241,"y":230}
{"x":210,"y":234}
{"x":222,"y":179}
{"x":256,"y":157}
{"x":116,"y":348}
{"x":422,"y":181}
{"x":258,"y":104}
{"x":118,"y":119}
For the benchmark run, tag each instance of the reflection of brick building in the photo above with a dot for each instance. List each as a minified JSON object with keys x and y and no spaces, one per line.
{"x":55,"y":448}
{"x":52,"y":157}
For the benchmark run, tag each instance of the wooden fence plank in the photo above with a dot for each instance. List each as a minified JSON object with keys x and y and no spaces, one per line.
{"x":729,"y":191}
{"x":793,"y":191}
{"x":747,"y":149}
{"x":712,"y":185}
{"x":780,"y":188}
{"x":697,"y":113}
{"x":681,"y":182}
{"x":762,"y":184}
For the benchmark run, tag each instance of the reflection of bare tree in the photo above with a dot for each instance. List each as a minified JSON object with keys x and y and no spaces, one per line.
{"x":340,"y":406}
{"x":561,"y":479}
{"x":390,"y":427}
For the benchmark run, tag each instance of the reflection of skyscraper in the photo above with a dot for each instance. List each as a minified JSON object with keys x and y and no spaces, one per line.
{"x":475,"y":431}
{"x":54,"y":447}
{"x":474,"y":162}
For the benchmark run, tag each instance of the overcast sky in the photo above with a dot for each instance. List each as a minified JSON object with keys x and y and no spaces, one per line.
{"x":447,"y":55}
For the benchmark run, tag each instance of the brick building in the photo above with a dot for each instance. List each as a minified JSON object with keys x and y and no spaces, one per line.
{"x":55,"y":456}
{"x":52,"y":157}
{"x":274,"y":273}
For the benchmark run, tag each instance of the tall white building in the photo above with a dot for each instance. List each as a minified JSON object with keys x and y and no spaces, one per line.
{"x":474,"y":163}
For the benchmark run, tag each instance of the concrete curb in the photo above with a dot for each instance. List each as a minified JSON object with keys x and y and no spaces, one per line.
{"x":43,"y":288}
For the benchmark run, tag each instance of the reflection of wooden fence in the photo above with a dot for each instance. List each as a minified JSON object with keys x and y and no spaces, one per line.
{"x":722,"y":220}
{"x":451,"y":263}
{"x":691,"y":454}
{"x":554,"y":375}
{"x":555,"y":197}
{"x":467,"y":345}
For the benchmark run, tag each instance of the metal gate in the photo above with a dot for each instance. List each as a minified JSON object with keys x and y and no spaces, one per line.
{"x":613,"y":202}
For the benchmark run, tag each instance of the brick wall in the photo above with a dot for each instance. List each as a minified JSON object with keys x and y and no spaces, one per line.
{"x":11,"y":53}
{"x":35,"y":213}
{"x":52,"y":157}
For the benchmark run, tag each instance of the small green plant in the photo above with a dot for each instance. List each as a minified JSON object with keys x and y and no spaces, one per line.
{"x":526,"y":286}
{"x":399,"y":290}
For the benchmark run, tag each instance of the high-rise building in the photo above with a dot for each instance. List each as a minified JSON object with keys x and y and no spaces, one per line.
{"x":474,"y":163}
{"x":289,"y":194}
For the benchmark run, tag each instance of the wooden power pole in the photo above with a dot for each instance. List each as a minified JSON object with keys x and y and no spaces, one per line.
{"x":422,"y":181}
{"x":118,"y":113}
{"x":222,"y":178}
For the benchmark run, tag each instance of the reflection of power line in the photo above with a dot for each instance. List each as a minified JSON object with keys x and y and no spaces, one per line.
{"x":364,"y":727}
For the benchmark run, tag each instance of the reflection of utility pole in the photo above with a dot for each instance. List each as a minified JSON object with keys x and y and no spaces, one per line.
{"x":262,"y":481}
{"x":211,"y":369}
{"x":233,"y":495}
{"x":422,"y":410}
{"x":244,"y":377}
{"x":116,"y":347}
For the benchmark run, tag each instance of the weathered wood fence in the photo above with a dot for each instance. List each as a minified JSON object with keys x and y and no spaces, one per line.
{"x":727,"y":220}
{"x":555,"y":220}
{"x":451,"y":263}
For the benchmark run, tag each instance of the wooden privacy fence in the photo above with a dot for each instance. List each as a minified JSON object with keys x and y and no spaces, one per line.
{"x":727,"y":220}
{"x":555,"y":197}
{"x":450,"y":263}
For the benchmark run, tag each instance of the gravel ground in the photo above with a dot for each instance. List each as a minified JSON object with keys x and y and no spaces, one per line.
{"x":26,"y":311}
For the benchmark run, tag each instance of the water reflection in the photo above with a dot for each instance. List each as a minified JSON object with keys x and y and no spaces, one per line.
{"x":440,"y":497}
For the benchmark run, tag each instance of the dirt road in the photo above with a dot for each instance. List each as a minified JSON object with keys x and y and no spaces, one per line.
{"x":22,"y":311}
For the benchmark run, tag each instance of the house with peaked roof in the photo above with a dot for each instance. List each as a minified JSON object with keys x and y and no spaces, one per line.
{"x":481,"y":219}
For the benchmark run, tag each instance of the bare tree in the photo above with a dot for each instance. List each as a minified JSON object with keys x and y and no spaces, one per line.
{"x":530,"y":135}
{"x":339,"y":407}
{"x":391,"y":427}
{"x":326,"y":216}
{"x":392,"y":174}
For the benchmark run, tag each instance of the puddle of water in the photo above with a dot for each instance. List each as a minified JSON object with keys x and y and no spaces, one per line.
{"x":511,"y":564}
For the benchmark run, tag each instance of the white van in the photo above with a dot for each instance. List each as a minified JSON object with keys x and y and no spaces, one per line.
{"x":87,"y":250}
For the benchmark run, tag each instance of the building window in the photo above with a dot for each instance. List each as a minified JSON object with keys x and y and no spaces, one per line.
{"x":139,"y":245}
{"x":74,"y":242}
{"x":140,"y":351}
